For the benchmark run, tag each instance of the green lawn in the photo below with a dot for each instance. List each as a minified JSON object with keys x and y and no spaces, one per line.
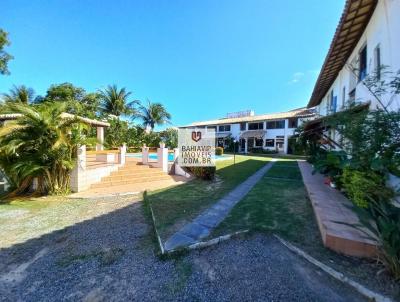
{"x":176,"y":206}
{"x":278,"y":204}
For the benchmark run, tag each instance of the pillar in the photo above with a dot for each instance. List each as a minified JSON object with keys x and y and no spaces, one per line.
{"x":286,"y":137}
{"x":78,"y":179}
{"x":100,"y":138}
{"x":145,"y":155}
{"x":245,"y":145}
{"x":162,"y":158}
{"x":122,"y":155}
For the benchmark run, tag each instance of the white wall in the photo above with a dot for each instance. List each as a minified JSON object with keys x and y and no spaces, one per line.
{"x":383,"y":30}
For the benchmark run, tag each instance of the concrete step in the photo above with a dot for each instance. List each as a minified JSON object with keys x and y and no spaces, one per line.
{"x":130,"y":181}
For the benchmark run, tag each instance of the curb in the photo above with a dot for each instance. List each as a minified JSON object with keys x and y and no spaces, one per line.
{"x":335,"y":274}
{"x":211,"y":242}
{"x":154,"y":223}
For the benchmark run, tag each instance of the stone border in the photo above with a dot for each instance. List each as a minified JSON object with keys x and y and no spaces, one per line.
{"x":153,"y":219}
{"x":373,"y":296}
{"x":202,"y":244}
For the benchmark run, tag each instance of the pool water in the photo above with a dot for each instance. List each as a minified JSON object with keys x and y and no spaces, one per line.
{"x":153,"y":156}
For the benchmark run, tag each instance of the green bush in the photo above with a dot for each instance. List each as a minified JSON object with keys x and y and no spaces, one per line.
{"x":362,"y":187}
{"x":205,"y":173}
{"x":219,"y":151}
{"x":260,"y":150}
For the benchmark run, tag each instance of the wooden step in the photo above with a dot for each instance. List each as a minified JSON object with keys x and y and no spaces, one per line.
{"x":131,"y":181}
{"x":117,"y":177}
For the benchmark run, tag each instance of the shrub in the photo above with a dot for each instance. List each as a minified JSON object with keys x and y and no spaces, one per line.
{"x":361,"y":187}
{"x":205,"y":173}
{"x":260,"y":150}
{"x":219,"y":151}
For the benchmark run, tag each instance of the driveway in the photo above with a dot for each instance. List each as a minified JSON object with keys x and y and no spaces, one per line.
{"x":112,"y":257}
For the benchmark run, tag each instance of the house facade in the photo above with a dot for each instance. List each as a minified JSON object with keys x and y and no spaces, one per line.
{"x":266,"y":131}
{"x":366,"y":45}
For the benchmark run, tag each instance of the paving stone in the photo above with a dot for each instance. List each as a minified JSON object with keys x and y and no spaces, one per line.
{"x":208,"y":220}
{"x":178,"y":240}
{"x":203,"y":224}
{"x":195,"y":230}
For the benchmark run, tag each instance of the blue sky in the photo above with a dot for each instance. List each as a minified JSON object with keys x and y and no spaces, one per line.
{"x":201,"y":59}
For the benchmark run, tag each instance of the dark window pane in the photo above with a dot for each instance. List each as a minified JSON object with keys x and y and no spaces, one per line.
{"x":269,"y":143}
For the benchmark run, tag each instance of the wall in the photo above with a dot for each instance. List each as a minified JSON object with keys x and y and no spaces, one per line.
{"x":384,"y":30}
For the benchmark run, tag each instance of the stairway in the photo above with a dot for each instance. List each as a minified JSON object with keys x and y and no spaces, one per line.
{"x":132,"y":173}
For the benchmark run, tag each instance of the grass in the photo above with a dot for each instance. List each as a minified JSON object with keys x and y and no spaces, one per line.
{"x":176,"y":206}
{"x":278,"y":203}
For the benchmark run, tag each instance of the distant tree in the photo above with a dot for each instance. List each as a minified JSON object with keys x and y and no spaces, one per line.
{"x":78,"y":101}
{"x":4,"y":56}
{"x":116,"y":134}
{"x":115,"y":101}
{"x":19,"y":94}
{"x":153,"y":114}
{"x":170,"y":137}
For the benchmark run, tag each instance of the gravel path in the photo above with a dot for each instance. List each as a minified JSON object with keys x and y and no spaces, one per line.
{"x":111,"y":258}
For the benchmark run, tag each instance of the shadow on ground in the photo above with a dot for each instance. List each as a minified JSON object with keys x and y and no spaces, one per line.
{"x":112,"y":258}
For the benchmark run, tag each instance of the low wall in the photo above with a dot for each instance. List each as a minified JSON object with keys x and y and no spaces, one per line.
{"x":82,"y":177}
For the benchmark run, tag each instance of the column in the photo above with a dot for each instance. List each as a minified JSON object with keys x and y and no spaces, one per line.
{"x":245,"y":145}
{"x":122,"y":155}
{"x":162,"y":158}
{"x":78,"y":179}
{"x":286,"y":137}
{"x":145,"y":155}
{"x":100,"y":138}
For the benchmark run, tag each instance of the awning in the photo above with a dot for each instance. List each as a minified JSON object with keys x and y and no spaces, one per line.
{"x":253,"y":133}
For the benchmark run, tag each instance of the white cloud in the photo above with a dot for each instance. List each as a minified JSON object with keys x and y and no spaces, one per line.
{"x":296,"y":77}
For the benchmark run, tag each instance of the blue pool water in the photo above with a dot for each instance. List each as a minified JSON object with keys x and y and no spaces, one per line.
{"x":153,"y":156}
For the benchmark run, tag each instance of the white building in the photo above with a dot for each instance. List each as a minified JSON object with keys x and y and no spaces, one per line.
{"x":367,"y":37}
{"x":266,"y":131}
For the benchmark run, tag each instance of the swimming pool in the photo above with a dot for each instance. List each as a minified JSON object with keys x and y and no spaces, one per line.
{"x":153,"y":156}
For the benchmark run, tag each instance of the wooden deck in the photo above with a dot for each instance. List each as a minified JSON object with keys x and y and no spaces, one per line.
{"x":332,"y":212}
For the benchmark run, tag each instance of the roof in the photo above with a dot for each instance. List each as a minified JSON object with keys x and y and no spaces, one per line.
{"x":354,"y":20}
{"x":14,"y":116}
{"x":300,"y":112}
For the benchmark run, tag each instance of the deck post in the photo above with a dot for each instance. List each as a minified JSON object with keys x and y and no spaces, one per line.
{"x":122,"y":154}
{"x":145,"y":155}
{"x":162,"y":155}
{"x":78,"y":180}
{"x":100,"y":138}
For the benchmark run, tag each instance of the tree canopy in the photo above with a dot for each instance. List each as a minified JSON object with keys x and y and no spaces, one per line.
{"x":5,"y":57}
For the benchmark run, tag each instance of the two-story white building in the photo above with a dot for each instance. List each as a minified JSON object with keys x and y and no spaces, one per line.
{"x":266,"y":131}
{"x":366,"y":39}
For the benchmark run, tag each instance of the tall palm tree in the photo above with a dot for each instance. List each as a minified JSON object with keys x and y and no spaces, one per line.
{"x":19,"y":94}
{"x":115,"y":102}
{"x":153,"y":114}
{"x":39,"y":144}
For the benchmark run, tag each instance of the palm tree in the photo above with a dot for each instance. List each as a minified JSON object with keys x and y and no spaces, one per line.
{"x":39,"y":144}
{"x":19,"y":94}
{"x":115,"y":102}
{"x":153,"y":114}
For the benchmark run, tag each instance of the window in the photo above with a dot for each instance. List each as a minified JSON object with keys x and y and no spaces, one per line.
{"x":377,"y":62}
{"x":242,"y":126}
{"x":276,"y":124}
{"x":250,"y":142}
{"x":224,"y":128}
{"x":259,"y":142}
{"x":220,"y":142}
{"x":363,"y":64}
{"x":293,"y":122}
{"x":256,"y":126}
{"x":269,"y":143}
{"x":333,"y":103}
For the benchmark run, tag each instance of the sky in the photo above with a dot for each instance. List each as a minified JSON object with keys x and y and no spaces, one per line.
{"x":201,"y":59}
